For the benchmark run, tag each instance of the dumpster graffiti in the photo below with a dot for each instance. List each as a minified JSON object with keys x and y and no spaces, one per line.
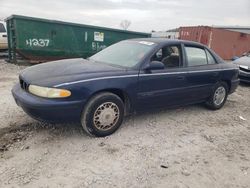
{"x":98,"y":47}
{"x":93,"y":46}
{"x":37,"y":42}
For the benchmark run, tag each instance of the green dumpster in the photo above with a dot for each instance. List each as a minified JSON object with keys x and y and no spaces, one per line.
{"x":40,"y":40}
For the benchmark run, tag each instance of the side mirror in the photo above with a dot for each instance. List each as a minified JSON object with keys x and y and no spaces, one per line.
{"x":155,"y":65}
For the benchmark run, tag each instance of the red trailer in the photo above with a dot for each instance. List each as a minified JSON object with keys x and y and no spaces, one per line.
{"x":224,"y":42}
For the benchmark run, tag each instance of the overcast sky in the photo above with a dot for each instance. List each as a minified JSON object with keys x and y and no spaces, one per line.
{"x":145,"y":15}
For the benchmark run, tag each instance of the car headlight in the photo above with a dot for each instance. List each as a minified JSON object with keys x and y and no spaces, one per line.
{"x":48,"y":92}
{"x":244,"y":66}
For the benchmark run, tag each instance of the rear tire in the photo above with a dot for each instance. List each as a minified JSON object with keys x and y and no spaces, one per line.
{"x":103,"y":114}
{"x":218,"y":97}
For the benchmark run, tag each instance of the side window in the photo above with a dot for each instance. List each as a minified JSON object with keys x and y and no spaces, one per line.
{"x":210,"y":58}
{"x":2,"y":28}
{"x":170,"y":56}
{"x":158,"y":54}
{"x":196,"y":56}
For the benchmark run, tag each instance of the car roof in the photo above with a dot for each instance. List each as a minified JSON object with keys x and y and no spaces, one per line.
{"x":167,"y":41}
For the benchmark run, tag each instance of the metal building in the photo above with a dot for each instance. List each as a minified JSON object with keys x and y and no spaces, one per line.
{"x":169,"y":34}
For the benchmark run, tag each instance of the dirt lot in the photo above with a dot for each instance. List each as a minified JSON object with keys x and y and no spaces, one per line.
{"x":185,"y":147}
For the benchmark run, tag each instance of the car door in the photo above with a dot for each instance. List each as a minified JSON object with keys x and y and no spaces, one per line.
{"x":165,"y":87}
{"x":203,"y":72}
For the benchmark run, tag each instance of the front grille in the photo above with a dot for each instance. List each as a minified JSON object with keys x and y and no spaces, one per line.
{"x":245,"y":70}
{"x":24,"y":85}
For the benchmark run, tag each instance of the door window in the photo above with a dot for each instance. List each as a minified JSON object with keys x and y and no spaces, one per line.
{"x":210,"y":58}
{"x":170,"y":56}
{"x":196,"y":56}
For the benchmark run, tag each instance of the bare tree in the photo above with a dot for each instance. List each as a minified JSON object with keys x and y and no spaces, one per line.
{"x":125,"y":24}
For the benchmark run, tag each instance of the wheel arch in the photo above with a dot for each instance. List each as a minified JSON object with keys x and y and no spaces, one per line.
{"x":228,"y":82}
{"x":120,"y":93}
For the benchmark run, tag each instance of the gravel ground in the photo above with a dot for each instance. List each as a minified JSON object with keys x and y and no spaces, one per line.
{"x":185,"y":147}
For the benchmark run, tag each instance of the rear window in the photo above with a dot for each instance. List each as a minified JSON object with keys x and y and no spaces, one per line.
{"x":2,"y":28}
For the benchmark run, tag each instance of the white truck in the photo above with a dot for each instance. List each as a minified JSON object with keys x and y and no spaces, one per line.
{"x":3,"y":37}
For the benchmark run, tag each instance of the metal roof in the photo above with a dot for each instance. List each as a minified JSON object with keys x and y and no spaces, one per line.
{"x":241,"y":29}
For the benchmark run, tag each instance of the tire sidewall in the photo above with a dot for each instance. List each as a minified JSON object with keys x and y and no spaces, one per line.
{"x":213,"y":105}
{"x":91,"y":110}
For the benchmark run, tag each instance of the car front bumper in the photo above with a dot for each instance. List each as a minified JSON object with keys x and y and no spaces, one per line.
{"x":49,"y":110}
{"x":244,"y":76}
{"x":3,"y":45}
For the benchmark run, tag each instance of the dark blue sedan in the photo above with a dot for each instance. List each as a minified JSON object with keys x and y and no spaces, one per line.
{"x":132,"y":75}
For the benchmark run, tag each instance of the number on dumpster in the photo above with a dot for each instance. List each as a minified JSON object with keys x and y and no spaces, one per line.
{"x":37,"y":42}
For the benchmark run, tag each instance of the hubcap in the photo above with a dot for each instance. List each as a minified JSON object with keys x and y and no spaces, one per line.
{"x":219,"y":95}
{"x":106,"y":116}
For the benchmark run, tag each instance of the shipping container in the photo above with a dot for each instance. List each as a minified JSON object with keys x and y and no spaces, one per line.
{"x":42,"y":40}
{"x":225,"y":43}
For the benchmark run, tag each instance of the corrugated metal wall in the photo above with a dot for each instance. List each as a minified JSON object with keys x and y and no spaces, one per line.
{"x":225,"y":43}
{"x":229,"y":43}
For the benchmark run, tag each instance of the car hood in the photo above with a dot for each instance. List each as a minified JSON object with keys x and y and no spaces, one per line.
{"x":243,"y":61}
{"x":57,"y":72}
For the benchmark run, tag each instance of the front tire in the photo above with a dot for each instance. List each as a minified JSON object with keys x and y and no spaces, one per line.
{"x":218,"y":97}
{"x":103,"y":114}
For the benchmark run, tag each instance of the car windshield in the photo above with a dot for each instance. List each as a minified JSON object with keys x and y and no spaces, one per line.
{"x":2,"y":28}
{"x":125,"y":53}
